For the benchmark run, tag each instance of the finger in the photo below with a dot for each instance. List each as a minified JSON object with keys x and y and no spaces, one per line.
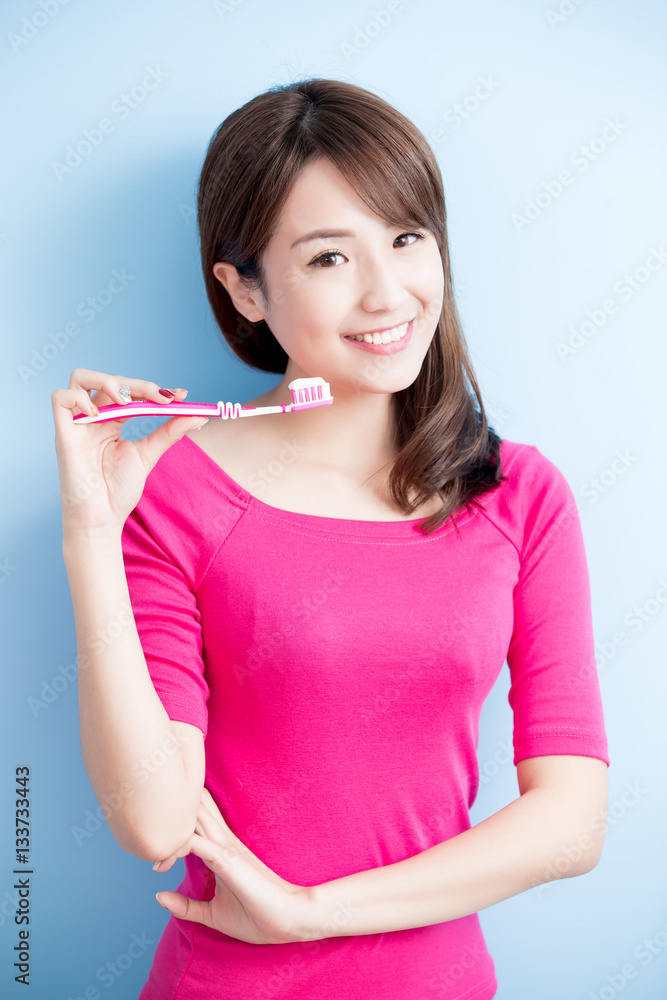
{"x":225,"y":836}
{"x":142,"y":390}
{"x":210,"y":803}
{"x":209,"y":810}
{"x":185,"y":908}
{"x":83,"y":381}
{"x":108,"y":387}
{"x":214,"y":824}
{"x":237,"y":866}
{"x":152,"y":448}
{"x":166,"y":863}
{"x":209,"y":827}
{"x":218,"y":833}
{"x":68,"y":401}
{"x":220,"y":859}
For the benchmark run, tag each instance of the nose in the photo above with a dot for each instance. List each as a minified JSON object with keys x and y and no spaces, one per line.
{"x":382,"y":288}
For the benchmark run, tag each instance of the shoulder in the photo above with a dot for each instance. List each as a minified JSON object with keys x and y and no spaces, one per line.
{"x":186,"y":509}
{"x":529,"y":470}
{"x":536,"y":493}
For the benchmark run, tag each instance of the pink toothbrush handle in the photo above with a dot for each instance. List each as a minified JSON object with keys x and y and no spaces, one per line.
{"x":227,"y":411}
{"x":117,"y":411}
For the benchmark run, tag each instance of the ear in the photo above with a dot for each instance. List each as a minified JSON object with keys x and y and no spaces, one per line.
{"x":244,"y":301}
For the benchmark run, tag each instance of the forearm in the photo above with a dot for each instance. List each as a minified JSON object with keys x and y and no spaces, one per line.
{"x":514,"y":850}
{"x":130,"y":750}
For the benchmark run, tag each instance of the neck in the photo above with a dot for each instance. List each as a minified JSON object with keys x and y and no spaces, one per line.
{"x":354,"y":435}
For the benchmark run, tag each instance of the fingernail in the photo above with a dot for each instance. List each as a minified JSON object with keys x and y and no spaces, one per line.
{"x":96,"y":412}
{"x":180,"y":390}
{"x":156,"y":866}
{"x":168,"y":393}
{"x":159,"y":901}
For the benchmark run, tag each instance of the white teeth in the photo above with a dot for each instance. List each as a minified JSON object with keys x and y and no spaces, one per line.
{"x":383,"y":338}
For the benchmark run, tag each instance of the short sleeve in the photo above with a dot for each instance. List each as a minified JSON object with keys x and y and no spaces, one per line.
{"x":168,"y":623}
{"x":554,"y":693}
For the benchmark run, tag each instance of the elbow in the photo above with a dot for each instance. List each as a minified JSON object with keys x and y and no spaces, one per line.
{"x":592,"y":859}
{"x":152,"y":847}
{"x":581,"y":856}
{"x":592,"y":842}
{"x":137,"y":849}
{"x":586,"y":865}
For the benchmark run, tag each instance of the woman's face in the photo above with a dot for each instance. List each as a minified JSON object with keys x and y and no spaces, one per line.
{"x":372,"y":277}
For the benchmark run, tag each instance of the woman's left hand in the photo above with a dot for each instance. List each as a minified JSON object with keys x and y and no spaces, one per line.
{"x":251,"y":903}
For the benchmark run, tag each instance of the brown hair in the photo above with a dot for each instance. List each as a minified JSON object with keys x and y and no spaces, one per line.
{"x":445,"y":445}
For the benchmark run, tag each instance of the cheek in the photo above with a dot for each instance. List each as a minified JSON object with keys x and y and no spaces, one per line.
{"x":436,"y":273}
{"x":434,"y":283}
{"x":303,"y":322}
{"x":318,"y":305}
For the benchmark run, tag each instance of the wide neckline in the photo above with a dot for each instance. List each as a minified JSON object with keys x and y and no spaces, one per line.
{"x":319,"y":522}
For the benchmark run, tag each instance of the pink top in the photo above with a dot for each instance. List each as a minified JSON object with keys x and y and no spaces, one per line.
{"x":337,"y":669}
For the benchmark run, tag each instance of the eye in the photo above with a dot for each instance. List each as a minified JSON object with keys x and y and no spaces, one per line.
{"x":339,"y":253}
{"x":419,"y":236}
{"x":323,"y":256}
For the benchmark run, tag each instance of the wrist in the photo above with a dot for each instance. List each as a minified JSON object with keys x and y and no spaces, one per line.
{"x":329,"y":912}
{"x":304,"y":921}
{"x":75,"y":537}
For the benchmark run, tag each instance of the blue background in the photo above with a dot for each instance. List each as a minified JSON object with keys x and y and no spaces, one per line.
{"x":523,"y":287}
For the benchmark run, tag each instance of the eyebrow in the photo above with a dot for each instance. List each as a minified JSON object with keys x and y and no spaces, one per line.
{"x":324,"y":234}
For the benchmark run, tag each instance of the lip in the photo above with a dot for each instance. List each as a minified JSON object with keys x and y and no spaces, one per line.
{"x":391,"y":348}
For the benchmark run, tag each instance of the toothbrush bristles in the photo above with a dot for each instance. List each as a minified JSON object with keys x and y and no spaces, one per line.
{"x":309,"y":390}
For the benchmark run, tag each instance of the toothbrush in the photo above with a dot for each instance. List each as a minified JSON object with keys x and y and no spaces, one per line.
{"x":306,"y":393}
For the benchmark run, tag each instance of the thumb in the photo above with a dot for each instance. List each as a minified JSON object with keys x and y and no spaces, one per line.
{"x":185,"y":908}
{"x":154,"y":446}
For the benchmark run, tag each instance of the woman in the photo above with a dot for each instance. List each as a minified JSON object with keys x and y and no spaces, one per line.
{"x":303,"y":614}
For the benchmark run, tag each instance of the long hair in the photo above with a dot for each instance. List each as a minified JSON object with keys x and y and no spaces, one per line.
{"x":444,"y":443}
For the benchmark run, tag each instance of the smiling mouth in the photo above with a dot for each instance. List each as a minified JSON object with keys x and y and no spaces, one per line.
{"x":386,"y":337}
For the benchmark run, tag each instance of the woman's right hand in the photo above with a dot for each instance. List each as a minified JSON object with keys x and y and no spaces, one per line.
{"x":101,"y":475}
